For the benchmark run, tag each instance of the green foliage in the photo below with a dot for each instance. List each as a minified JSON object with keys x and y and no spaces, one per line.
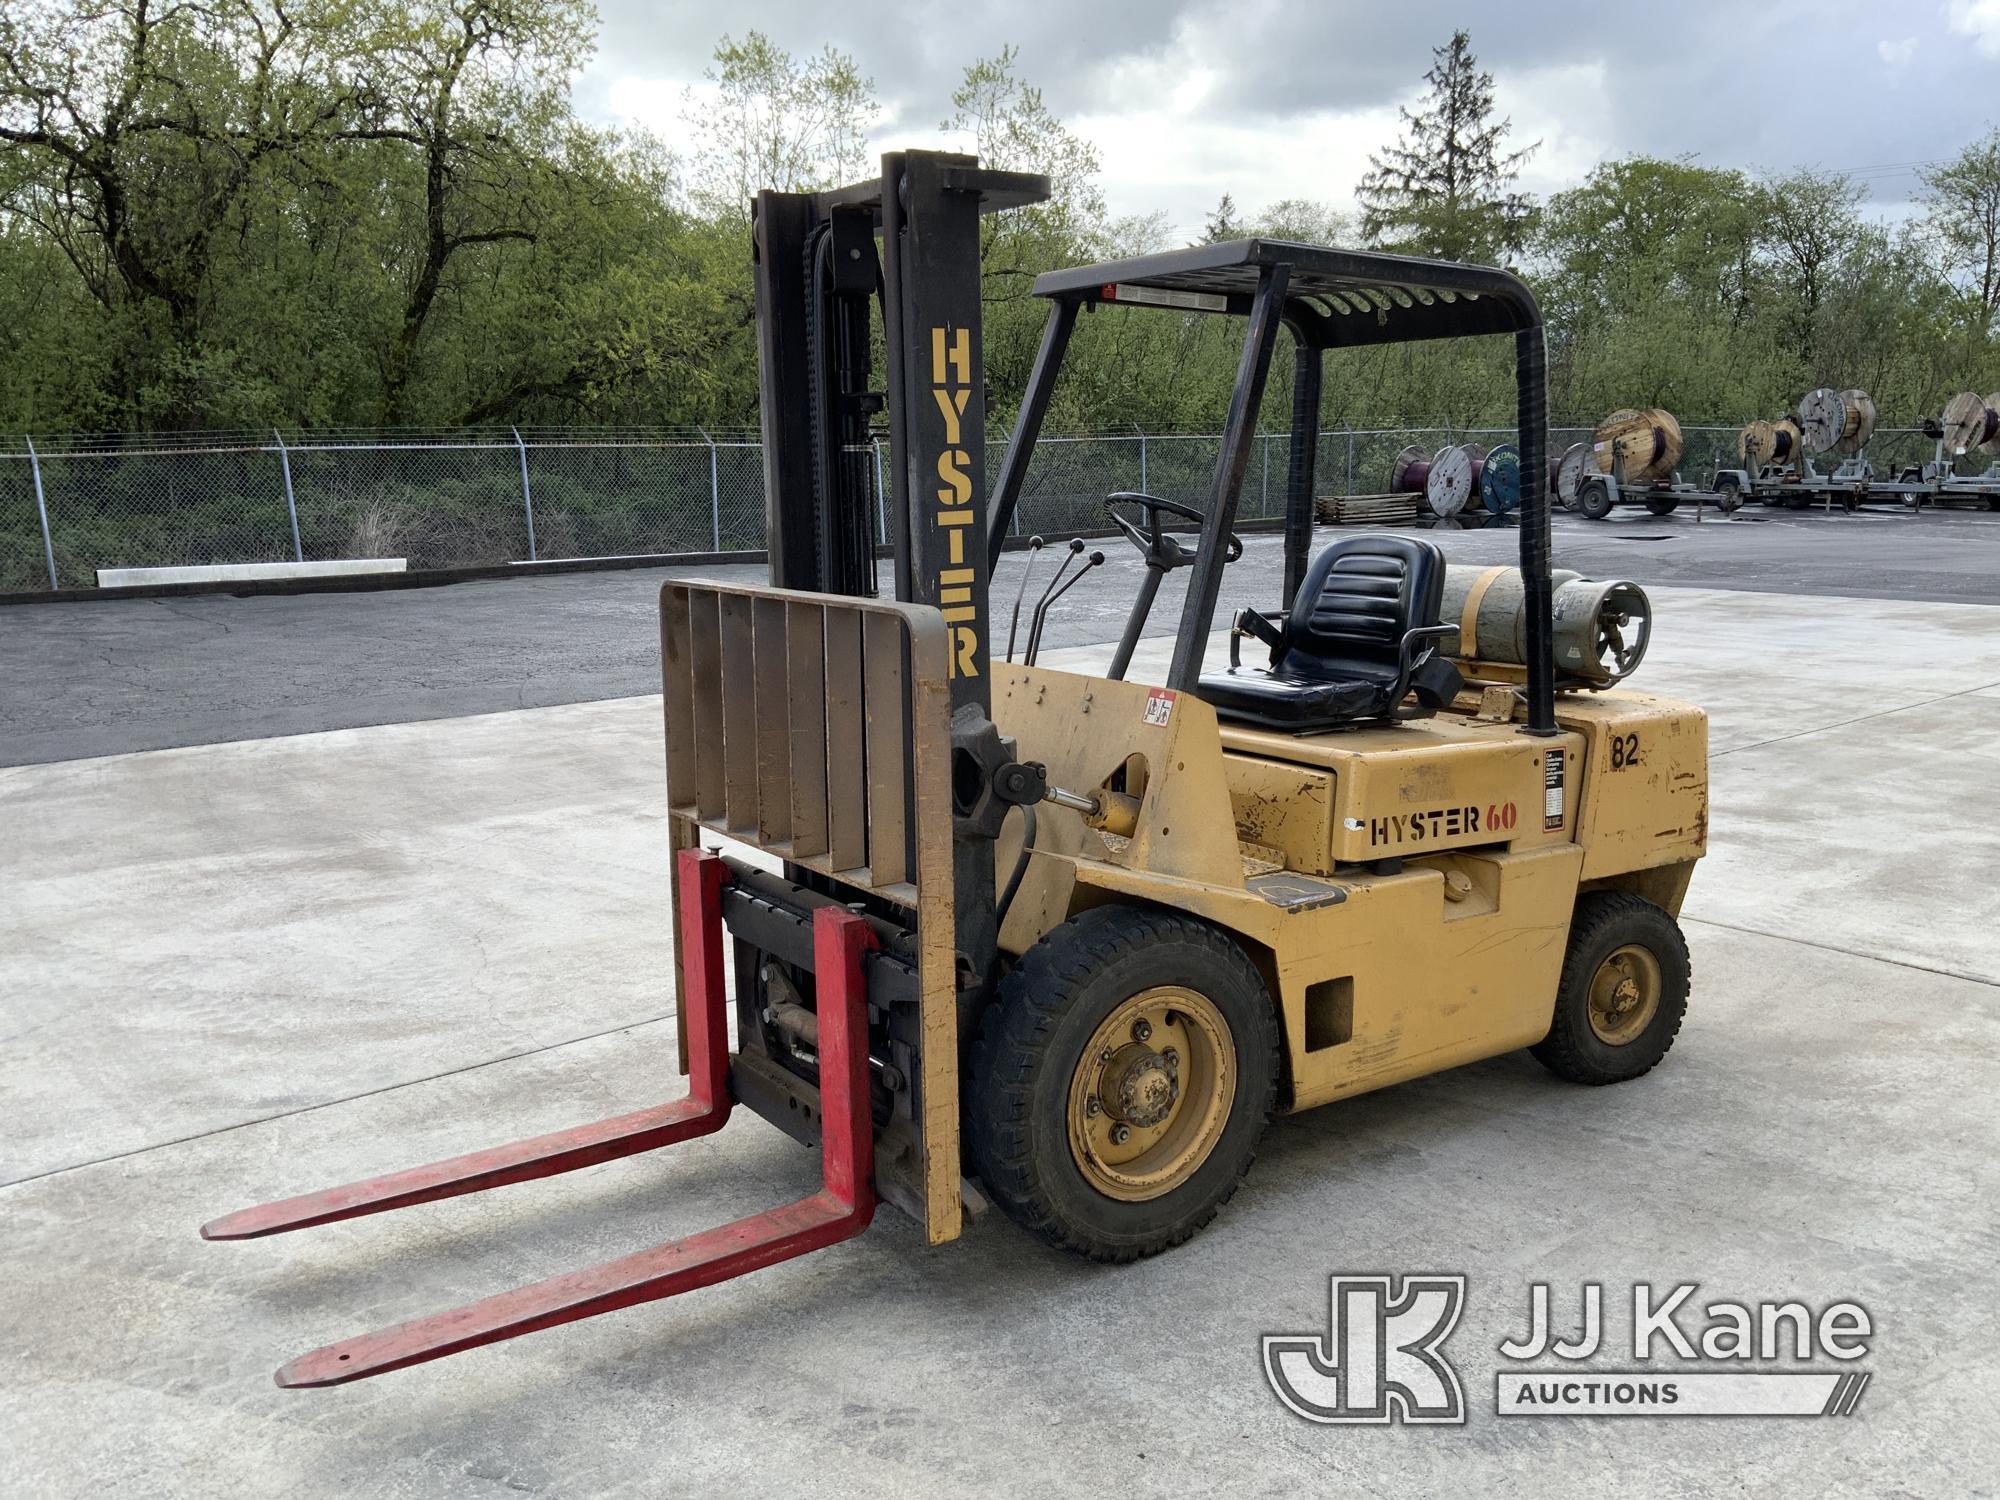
{"x":1446,"y":189}
{"x":1962,"y":198}
{"x":328,"y":213}
{"x":790,"y":124}
{"x":1223,"y":224}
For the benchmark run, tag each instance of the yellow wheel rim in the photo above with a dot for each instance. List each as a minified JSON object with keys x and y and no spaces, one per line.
{"x":1624,"y":995}
{"x":1151,"y":1093}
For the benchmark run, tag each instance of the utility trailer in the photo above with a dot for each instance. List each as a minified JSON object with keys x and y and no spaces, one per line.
{"x":1597,"y":495}
{"x":1855,"y":482}
{"x":1850,"y":486}
{"x":1633,"y":458}
{"x":1778,"y":469}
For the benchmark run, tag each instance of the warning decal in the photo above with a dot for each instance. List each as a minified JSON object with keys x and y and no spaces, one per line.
{"x":1159,"y":706}
{"x":1552,"y":790}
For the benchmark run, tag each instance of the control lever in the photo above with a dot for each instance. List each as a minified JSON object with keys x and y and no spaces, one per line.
{"x":1034,"y":650}
{"x":1034,"y":546}
{"x":1075,"y":547}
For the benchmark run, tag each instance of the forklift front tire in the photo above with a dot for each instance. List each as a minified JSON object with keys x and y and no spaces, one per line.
{"x":1122,"y":1081}
{"x":1623,"y":992}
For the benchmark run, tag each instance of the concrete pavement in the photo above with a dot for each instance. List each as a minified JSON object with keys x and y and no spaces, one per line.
{"x":240,"y":970}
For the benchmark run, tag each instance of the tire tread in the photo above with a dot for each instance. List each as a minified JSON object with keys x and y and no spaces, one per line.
{"x":1014,"y":1041}
{"x":1563,"y":1050}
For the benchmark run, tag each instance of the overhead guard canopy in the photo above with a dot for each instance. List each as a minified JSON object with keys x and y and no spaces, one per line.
{"x":1336,"y":299}
{"x":1327,"y":299}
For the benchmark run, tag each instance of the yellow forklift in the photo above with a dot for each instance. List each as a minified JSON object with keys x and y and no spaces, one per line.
{"x":996,"y":932}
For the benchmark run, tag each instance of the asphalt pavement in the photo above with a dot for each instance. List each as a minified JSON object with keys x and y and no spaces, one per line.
{"x":108,"y":676}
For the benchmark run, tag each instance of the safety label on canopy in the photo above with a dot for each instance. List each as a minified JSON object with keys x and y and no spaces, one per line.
{"x":1159,"y":706}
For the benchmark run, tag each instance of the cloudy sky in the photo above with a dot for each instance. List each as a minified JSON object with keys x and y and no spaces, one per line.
{"x":1267,"y":99}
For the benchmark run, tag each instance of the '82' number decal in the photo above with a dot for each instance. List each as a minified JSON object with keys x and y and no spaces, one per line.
{"x":1624,"y":751}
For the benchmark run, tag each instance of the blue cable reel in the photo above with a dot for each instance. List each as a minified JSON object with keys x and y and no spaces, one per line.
{"x":1500,"y":480}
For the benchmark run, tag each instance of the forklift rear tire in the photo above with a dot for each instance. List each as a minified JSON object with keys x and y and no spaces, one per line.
{"x":1623,"y":993}
{"x":1122,"y":1081}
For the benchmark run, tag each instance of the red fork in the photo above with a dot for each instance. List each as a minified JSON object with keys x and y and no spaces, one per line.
{"x":704,"y":1111}
{"x":841,"y":1209}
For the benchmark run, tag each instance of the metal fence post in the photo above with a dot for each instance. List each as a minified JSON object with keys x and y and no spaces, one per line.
{"x":1267,"y":474}
{"x":1350,"y":458}
{"x":1144,"y":487}
{"x":714,"y":487}
{"x":42,"y":505}
{"x":291,"y":501}
{"x":527,"y":495}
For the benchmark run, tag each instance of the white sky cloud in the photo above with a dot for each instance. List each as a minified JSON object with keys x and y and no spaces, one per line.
{"x":1270,"y":99}
{"x":1897,"y":54}
{"x":1979,"y":19}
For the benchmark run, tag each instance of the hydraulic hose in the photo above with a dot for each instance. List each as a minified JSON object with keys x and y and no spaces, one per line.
{"x":1020,"y":866}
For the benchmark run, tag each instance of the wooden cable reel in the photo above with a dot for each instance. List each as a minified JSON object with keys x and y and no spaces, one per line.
{"x":1454,"y":478}
{"x":1971,"y":421}
{"x":1838,"y":422}
{"x":1567,"y":473}
{"x":1408,"y":471}
{"x":1637,"y":447}
{"x":1776,"y":443}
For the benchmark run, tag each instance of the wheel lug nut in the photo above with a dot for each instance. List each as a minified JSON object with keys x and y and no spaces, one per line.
{"x":1172,"y":1056}
{"x":1093,"y":1107}
{"x":1141,"y":1029}
{"x":1105,"y":1055}
{"x":1120,"y":1134}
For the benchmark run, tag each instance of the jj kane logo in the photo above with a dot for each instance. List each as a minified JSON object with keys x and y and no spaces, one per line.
{"x":1382,"y":1357}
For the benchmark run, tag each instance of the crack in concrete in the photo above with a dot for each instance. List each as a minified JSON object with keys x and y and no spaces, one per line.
{"x":306,"y":1109}
{"x":1881,"y":713}
{"x":1875,"y":958}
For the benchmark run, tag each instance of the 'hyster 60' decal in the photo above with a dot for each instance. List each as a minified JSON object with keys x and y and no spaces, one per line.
{"x":1441,"y":823}
{"x":951,"y":386}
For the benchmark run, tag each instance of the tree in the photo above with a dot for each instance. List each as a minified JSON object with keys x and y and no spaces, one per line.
{"x":1644,"y":257}
{"x":1811,"y":226}
{"x":1446,"y":189}
{"x":792,"y":124}
{"x":1223,"y":224}
{"x":142,"y":130}
{"x":479,"y":89}
{"x":1004,"y":120}
{"x":1962,"y":199}
{"x":1306,"y":220}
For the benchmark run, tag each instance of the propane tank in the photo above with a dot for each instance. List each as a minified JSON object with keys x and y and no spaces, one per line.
{"x":1600,"y":627}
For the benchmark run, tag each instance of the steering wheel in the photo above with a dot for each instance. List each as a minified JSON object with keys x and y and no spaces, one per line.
{"x":1158,"y":548}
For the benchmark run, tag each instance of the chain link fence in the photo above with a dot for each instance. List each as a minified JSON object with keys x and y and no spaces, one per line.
{"x":469,"y":498}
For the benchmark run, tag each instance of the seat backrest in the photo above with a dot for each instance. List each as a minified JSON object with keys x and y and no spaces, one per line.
{"x":1359,"y":598}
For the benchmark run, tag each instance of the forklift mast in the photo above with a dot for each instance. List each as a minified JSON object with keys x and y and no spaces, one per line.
{"x":817,"y":269}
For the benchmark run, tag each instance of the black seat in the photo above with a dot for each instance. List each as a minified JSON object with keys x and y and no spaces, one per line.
{"x":1360,"y":637}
